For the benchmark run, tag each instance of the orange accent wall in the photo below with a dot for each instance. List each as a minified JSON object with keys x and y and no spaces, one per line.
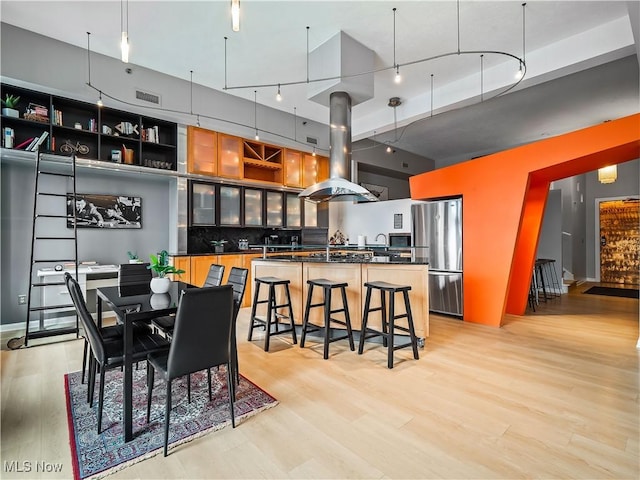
{"x":504,"y":197}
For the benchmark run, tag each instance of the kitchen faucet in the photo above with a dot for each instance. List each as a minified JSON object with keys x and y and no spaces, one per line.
{"x":383,"y":236}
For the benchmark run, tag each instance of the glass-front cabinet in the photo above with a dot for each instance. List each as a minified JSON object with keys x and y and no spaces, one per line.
{"x":229,"y":156}
{"x":294,"y":217}
{"x":230,"y":205}
{"x":274,"y":209}
{"x":253,"y":211}
{"x":310,"y":214}
{"x":203,"y":203}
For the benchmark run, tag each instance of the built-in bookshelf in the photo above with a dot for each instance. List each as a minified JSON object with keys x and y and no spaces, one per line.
{"x":64,"y":126}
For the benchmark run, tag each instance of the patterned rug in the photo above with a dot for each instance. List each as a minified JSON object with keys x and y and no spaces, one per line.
{"x":95,"y":456}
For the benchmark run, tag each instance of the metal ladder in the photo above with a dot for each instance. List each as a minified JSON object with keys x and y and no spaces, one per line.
{"x":55,"y":169}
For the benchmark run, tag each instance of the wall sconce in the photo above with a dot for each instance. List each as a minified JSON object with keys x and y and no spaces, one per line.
{"x":608,"y":174}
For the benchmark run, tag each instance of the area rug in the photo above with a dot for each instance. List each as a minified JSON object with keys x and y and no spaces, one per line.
{"x":95,"y":456}
{"x":614,"y":292}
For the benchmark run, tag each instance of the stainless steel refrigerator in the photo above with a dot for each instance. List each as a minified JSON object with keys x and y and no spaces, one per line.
{"x":437,"y":226}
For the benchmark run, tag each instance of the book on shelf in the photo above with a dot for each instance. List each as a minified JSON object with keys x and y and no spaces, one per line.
{"x":26,"y":143}
{"x":38,"y":141}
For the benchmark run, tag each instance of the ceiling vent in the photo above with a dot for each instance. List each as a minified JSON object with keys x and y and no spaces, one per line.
{"x":313,"y":141}
{"x":148,"y":97}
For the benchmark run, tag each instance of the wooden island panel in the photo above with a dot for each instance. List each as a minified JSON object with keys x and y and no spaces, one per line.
{"x":291,"y":271}
{"x":337,"y":272}
{"x":355,"y":274}
{"x":414,"y":275}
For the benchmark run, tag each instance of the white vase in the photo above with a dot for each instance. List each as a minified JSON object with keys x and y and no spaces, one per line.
{"x":159,"y":301}
{"x":160,"y":284}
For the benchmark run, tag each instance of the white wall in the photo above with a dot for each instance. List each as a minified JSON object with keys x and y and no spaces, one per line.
{"x":550,"y":241}
{"x":369,"y":219}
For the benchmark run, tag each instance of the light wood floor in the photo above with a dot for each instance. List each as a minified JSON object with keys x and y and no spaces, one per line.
{"x":550,"y":395}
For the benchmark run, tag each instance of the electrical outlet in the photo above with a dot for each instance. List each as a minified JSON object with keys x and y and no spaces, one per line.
{"x":22,"y":299}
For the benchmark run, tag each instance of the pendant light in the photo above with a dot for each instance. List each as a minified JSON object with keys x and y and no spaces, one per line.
{"x":124,"y":28}
{"x":608,"y":174}
{"x":255,"y":113}
{"x":398,"y":77}
{"x":235,"y":15}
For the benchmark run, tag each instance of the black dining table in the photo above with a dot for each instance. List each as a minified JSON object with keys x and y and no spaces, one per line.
{"x":136,"y":303}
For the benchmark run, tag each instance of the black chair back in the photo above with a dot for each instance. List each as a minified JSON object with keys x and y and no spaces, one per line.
{"x":91,"y":329}
{"x":238,"y":280}
{"x":214,"y":277}
{"x":134,"y":273}
{"x":202,"y":332}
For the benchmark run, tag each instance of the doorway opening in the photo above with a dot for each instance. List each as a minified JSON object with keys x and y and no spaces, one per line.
{"x":618,"y":241}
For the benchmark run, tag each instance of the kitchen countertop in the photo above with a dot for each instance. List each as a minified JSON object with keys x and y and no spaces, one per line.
{"x":385,"y":259}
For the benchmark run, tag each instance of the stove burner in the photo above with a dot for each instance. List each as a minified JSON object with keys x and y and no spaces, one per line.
{"x":342,"y":255}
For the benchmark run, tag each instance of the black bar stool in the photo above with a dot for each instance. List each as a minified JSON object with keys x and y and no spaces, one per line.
{"x":327,"y":286}
{"x":388,"y":319}
{"x":273,"y":317}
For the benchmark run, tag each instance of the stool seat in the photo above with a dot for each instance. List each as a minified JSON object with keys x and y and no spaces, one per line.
{"x":327,"y":286}
{"x":323,"y":282}
{"x":389,"y":318}
{"x":392,"y":287}
{"x":273,"y":317}
{"x":272,"y":280}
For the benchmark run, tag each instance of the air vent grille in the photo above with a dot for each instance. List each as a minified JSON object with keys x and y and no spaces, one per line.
{"x":148,"y":97}
{"x":313,"y":141}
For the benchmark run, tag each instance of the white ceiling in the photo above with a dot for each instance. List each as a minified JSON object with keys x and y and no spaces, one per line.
{"x":175,"y":37}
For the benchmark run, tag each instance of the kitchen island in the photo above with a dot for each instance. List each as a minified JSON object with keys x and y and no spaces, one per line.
{"x":356,"y":269}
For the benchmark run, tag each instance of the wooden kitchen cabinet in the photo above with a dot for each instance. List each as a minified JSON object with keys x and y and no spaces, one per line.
{"x":182,"y":263}
{"x":314,"y":169}
{"x":262,"y":162}
{"x":230,"y":152}
{"x":202,"y":151}
{"x":292,"y":168}
{"x":200,"y":268}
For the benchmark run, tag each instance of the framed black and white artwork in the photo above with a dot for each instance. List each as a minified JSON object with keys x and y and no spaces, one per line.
{"x":104,"y":211}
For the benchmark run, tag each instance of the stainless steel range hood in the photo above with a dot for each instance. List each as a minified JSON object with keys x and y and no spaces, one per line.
{"x":337,"y":187}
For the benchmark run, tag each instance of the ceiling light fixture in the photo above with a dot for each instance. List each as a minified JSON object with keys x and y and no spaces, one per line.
{"x":278,"y":96}
{"x":235,"y":15}
{"x":398,"y":78}
{"x":608,"y":174}
{"x":520,"y":72}
{"x":124,"y":28}
{"x":99,"y":102}
{"x":396,"y":65}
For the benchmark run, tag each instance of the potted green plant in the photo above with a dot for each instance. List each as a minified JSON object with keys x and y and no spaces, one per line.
{"x":218,"y":245}
{"x":160,"y":265}
{"x":133,"y":257}
{"x":9,"y":104}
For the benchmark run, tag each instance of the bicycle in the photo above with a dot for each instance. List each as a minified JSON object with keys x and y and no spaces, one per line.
{"x":68,"y":148}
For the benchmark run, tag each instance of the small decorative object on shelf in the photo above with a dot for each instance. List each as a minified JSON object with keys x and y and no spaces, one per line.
{"x":9,"y":104}
{"x":127,"y":128}
{"x":338,"y":238}
{"x":133,"y":257}
{"x":37,"y":113}
{"x":218,"y":245}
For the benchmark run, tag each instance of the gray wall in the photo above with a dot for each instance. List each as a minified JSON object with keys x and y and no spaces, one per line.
{"x":103,"y":246}
{"x":579,"y":196}
{"x":627,"y":185}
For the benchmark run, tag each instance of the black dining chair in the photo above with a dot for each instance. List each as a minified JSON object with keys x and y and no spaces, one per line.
{"x":214,"y":279}
{"x":201,"y":340}
{"x":238,"y":280}
{"x":133,"y":274}
{"x":108,"y":353}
